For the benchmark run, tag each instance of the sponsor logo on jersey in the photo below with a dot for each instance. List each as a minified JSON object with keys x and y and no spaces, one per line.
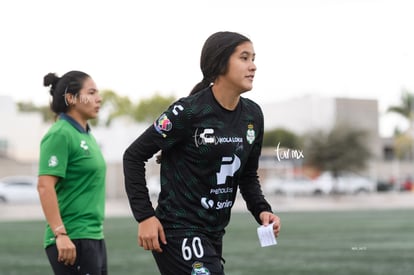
{"x":199,"y":269}
{"x":229,"y":166}
{"x":250,"y":135}
{"x":163,"y":124}
{"x":224,"y":190}
{"x":206,"y":203}
{"x":224,"y":204}
{"x":53,"y":161}
{"x":206,"y":136}
{"x":210,"y":204}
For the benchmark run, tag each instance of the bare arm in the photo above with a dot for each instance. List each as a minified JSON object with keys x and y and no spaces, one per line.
{"x":48,"y":199}
{"x":49,"y":202}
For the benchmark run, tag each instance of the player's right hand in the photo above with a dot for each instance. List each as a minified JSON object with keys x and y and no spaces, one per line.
{"x":150,"y":233}
{"x":66,"y":250}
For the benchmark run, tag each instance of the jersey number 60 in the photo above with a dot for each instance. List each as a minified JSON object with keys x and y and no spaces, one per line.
{"x":196,"y":248}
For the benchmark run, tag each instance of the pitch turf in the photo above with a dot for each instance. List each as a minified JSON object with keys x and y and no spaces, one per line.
{"x":344,"y":242}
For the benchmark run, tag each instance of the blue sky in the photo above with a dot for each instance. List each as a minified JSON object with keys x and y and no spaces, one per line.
{"x":344,"y":48}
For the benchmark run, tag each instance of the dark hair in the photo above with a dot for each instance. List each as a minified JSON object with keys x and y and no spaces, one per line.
{"x":71,"y":82}
{"x":215,"y":56}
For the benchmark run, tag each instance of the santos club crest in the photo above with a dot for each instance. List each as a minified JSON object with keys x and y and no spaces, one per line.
{"x":199,"y":269}
{"x":250,"y":135}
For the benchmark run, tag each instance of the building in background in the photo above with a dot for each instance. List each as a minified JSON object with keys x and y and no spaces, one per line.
{"x":304,"y":114}
{"x":20,"y":132}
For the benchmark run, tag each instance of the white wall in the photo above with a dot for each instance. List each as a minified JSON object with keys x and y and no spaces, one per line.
{"x":23,"y":131}
{"x":300,"y":115}
{"x":115,"y":139}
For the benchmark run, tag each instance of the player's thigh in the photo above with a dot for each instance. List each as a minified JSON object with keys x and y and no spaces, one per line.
{"x":91,"y":258}
{"x":190,"y":255}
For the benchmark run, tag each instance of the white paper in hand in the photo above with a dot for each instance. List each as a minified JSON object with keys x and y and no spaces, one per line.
{"x":266,"y":236}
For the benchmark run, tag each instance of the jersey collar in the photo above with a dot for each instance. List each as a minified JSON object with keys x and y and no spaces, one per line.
{"x":74,"y":123}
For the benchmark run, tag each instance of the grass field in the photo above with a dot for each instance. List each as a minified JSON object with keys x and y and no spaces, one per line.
{"x":344,"y":242}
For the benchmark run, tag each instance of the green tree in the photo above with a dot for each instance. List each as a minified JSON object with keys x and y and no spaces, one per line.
{"x":406,"y":109}
{"x":115,"y":105}
{"x":404,"y":140}
{"x":281,"y":136}
{"x":150,"y":108}
{"x":342,"y":149}
{"x":403,"y":146}
{"x":47,"y":114}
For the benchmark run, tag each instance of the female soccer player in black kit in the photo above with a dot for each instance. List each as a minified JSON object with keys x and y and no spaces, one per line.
{"x":210,"y":142}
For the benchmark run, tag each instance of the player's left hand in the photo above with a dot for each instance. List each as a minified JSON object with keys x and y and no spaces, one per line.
{"x":269,"y":218}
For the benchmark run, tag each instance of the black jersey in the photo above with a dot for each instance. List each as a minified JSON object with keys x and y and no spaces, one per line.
{"x":208,"y":152}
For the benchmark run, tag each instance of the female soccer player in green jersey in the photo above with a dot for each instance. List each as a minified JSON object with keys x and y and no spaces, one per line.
{"x":72,"y":178}
{"x":210,"y":142}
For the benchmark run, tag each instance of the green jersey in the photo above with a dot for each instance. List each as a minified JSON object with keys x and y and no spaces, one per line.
{"x":70,"y":153}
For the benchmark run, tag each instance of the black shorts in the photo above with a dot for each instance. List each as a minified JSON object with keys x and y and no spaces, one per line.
{"x":90,"y":258}
{"x":190,"y":255}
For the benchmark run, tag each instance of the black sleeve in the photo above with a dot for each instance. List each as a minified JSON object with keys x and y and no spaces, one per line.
{"x":135,"y":156}
{"x":249,"y":184}
{"x":166,"y":131}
